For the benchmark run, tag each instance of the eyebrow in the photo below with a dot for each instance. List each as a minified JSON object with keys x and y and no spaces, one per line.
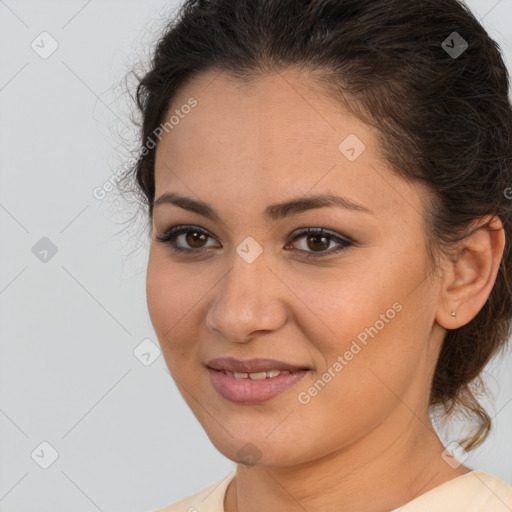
{"x":273,"y":212}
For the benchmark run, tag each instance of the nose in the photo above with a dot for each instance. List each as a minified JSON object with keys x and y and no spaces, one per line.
{"x":250,"y":300}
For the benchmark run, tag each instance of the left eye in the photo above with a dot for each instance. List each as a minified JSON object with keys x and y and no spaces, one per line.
{"x":319,"y":239}
{"x":315,"y":240}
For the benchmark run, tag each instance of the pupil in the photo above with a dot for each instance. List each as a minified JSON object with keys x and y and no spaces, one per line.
{"x":316,"y":238}
{"x":193,"y":237}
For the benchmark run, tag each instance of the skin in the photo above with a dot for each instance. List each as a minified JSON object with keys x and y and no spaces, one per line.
{"x":243,"y":147}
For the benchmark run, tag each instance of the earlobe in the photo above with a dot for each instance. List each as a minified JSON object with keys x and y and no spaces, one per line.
{"x":467,"y":284}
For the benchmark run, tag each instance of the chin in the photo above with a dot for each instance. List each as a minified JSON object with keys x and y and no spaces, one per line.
{"x":251,"y":450}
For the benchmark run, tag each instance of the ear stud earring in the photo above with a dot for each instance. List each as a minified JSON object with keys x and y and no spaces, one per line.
{"x":453,"y":313}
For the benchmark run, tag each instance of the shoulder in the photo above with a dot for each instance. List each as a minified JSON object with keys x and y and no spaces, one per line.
{"x":475,"y":491}
{"x":209,"y":499}
{"x":492,"y":492}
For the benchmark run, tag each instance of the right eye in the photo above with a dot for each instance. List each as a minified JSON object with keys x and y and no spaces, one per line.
{"x":194,"y":236}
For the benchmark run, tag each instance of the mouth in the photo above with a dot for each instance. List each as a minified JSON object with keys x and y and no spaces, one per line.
{"x":255,"y":380}
{"x":253,"y":366}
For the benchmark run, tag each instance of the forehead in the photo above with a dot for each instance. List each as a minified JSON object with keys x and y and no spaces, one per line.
{"x":281,"y":110}
{"x":276,"y":136}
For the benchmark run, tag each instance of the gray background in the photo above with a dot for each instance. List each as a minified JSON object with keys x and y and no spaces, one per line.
{"x":68,"y":373}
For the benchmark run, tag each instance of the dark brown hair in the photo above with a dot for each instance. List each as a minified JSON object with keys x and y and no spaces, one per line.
{"x":444,"y":119}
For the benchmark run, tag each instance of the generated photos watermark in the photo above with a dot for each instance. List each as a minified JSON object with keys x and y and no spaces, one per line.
{"x":100,"y":192}
{"x":304,"y":397}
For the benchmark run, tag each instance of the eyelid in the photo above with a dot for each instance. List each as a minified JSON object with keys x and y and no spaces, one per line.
{"x":344,"y":242}
{"x":320,"y":231}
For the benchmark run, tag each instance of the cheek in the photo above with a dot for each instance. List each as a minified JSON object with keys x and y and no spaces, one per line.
{"x":339,"y":304}
{"x":360,"y":384}
{"x":370,"y":319}
{"x":171,"y":295}
{"x":172,"y":298}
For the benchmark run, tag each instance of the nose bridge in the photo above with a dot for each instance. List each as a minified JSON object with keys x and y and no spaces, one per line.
{"x":247,"y":298}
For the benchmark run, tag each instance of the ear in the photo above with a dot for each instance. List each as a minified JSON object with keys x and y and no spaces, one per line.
{"x":468,"y":279}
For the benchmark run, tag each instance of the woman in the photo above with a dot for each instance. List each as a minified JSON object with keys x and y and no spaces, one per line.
{"x":328,"y":194}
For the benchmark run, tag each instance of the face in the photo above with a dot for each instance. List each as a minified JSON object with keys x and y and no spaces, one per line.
{"x":350,"y":310}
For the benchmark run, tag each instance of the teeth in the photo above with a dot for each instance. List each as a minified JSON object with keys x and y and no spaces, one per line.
{"x":256,"y":375}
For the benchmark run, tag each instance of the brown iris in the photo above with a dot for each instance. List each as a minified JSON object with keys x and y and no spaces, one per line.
{"x":195,"y":237}
{"x":316,"y":239}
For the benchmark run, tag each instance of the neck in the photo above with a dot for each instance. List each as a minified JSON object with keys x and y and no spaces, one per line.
{"x":381,"y":471}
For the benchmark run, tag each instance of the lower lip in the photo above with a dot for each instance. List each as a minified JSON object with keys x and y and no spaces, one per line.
{"x":249,"y":391}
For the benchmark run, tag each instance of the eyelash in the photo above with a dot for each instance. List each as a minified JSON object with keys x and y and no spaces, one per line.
{"x":169,"y":238}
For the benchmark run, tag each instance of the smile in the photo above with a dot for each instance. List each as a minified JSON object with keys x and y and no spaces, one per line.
{"x":253,"y":388}
{"x":257,"y":375}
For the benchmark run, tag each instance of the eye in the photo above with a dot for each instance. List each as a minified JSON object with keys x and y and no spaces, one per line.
{"x":316,"y":241}
{"x":193,"y":236}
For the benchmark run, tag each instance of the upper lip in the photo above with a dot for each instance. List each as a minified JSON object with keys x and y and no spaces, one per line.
{"x":232,"y":364}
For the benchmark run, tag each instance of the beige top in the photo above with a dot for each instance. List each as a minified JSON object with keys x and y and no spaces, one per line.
{"x":475,"y":491}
